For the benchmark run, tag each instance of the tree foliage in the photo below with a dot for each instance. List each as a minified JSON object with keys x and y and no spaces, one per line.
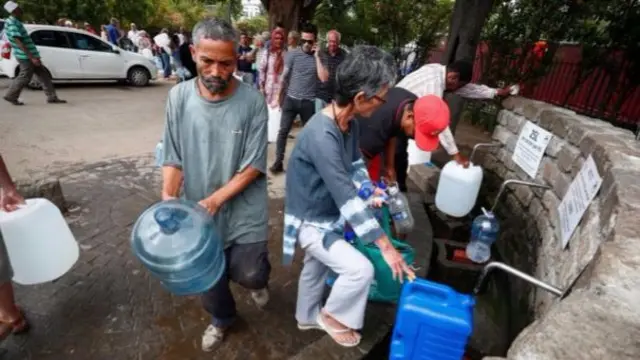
{"x":254,"y":25}
{"x":153,"y":14}
{"x":606,"y":31}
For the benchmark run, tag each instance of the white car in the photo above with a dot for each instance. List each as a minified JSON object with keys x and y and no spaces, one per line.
{"x":76,"y":55}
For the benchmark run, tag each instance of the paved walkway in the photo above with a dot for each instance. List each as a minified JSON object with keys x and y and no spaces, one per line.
{"x":108,"y":307}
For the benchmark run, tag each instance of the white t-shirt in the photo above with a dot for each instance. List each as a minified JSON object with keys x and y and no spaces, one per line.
{"x":133,"y":36}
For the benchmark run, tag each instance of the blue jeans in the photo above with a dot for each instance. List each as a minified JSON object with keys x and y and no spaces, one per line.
{"x":166,"y":64}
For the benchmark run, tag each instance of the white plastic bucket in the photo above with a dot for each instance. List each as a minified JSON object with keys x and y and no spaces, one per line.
{"x":39,"y":242}
{"x":274,"y":124}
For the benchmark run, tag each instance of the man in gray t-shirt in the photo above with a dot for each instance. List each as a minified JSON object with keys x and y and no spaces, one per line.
{"x":215,"y":143}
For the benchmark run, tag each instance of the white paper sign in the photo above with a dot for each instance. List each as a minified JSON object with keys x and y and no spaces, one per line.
{"x":530,"y":148}
{"x":581,"y":192}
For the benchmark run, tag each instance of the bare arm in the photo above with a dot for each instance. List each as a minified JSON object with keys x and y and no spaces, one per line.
{"x":5,"y":179}
{"x":390,"y":159}
{"x":24,"y":49}
{"x":323,"y":73}
{"x":235,"y":186}
{"x":171,"y":182}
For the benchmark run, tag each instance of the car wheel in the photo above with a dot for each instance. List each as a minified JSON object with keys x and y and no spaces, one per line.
{"x":138,"y":76}
{"x":35,"y":83}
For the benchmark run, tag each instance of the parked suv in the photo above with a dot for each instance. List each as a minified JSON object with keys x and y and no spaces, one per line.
{"x":75,"y":55}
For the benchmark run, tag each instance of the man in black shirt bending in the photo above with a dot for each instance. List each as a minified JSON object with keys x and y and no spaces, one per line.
{"x":402,"y":116}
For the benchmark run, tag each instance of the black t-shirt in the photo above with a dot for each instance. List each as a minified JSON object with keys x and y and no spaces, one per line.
{"x":244,"y":65}
{"x":187,"y":60}
{"x":384,"y":124}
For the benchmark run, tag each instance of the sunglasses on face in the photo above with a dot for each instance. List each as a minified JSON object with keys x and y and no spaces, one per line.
{"x":306,"y":41}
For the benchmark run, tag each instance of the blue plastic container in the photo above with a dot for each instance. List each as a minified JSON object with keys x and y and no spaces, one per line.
{"x":177,"y":242}
{"x":433,"y":322}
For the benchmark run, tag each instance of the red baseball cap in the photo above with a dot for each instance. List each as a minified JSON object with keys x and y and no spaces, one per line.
{"x":431,"y":116}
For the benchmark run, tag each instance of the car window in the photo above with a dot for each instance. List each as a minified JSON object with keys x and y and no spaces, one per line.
{"x":50,"y":38}
{"x":86,"y":42}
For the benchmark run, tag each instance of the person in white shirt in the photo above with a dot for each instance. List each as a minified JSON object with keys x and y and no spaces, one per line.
{"x":435,"y":79}
{"x":134,"y":34}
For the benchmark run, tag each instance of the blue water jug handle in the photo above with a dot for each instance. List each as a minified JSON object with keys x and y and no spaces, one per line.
{"x":443,"y":291}
{"x":169,"y":219}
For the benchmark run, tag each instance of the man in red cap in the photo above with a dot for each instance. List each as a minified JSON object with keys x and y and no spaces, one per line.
{"x":403,"y":114}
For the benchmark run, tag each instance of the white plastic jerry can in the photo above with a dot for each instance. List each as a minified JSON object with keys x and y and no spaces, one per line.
{"x":39,"y":243}
{"x":458,"y":188}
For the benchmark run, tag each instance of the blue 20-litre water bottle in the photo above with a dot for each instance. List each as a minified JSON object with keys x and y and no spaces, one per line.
{"x":178,"y":243}
{"x":399,"y":210}
{"x":484,"y":232}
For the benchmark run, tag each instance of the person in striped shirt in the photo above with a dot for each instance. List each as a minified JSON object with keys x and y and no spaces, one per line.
{"x":325,"y":172}
{"x":436,"y":79}
{"x":302,"y":70}
{"x":25,"y":51}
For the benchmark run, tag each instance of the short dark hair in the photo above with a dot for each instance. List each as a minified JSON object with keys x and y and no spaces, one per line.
{"x":463,"y":68}
{"x":244,"y":33}
{"x":279,"y":25}
{"x":309,"y":28}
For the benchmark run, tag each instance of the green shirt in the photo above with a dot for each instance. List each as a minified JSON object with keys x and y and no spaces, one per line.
{"x":211,"y":141}
{"x":15,"y":30}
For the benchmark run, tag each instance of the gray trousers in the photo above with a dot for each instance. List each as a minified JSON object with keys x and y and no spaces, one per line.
{"x":347,"y":301}
{"x":27,"y":70}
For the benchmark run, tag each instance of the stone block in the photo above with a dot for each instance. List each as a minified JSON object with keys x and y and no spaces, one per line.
{"x":577,"y":166}
{"x":532,"y":110}
{"x":511,"y":143}
{"x":551,"y":202}
{"x":524,"y":195}
{"x":515,"y":122}
{"x":555,"y":145}
{"x":501,"y":134}
{"x":567,"y":158}
{"x":577,"y":133}
{"x":535,"y":208}
{"x":556,"y":179}
{"x":48,"y":188}
{"x":515,"y":103}
{"x":502,"y":117}
{"x":423,"y":176}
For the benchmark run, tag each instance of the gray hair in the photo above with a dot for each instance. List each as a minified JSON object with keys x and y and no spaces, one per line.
{"x":367,"y":69}
{"x":266,"y":35}
{"x":214,"y":29}
{"x":334,"y":32}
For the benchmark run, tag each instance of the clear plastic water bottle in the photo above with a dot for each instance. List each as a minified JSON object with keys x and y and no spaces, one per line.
{"x":399,"y":210}
{"x":177,"y":242}
{"x":484,"y":232}
{"x":159,"y":154}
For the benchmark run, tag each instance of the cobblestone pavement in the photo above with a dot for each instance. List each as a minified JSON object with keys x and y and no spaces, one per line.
{"x":108,"y":307}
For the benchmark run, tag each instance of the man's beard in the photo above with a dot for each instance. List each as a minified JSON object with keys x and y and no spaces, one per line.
{"x":214,"y":84}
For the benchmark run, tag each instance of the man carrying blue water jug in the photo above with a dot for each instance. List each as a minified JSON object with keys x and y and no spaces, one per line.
{"x":215,"y":146}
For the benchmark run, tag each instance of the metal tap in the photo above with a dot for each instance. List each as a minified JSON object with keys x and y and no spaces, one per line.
{"x":503,"y":187}
{"x":476,"y":146}
{"x":482,"y":280}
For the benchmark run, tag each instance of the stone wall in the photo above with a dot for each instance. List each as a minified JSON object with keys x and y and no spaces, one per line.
{"x":600,"y":319}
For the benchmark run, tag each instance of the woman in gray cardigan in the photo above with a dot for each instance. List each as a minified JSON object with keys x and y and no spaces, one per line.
{"x":324,"y":174}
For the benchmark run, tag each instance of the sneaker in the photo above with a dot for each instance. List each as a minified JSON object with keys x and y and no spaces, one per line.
{"x":56,"y":101}
{"x":212,"y":338}
{"x":276,"y":168}
{"x":260,"y":297}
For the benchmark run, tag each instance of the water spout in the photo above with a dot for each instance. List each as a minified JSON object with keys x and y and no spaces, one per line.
{"x":483,"y":279}
{"x":476,"y":146}
{"x":515,"y":182}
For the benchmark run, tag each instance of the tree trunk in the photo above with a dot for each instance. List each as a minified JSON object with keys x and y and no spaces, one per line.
{"x":467,"y":20}
{"x":291,"y":13}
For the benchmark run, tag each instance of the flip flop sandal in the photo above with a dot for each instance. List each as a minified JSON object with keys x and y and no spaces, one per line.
{"x":305,"y":327}
{"x":335,"y":332}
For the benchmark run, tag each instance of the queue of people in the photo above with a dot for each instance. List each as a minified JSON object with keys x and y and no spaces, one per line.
{"x":215,"y":154}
